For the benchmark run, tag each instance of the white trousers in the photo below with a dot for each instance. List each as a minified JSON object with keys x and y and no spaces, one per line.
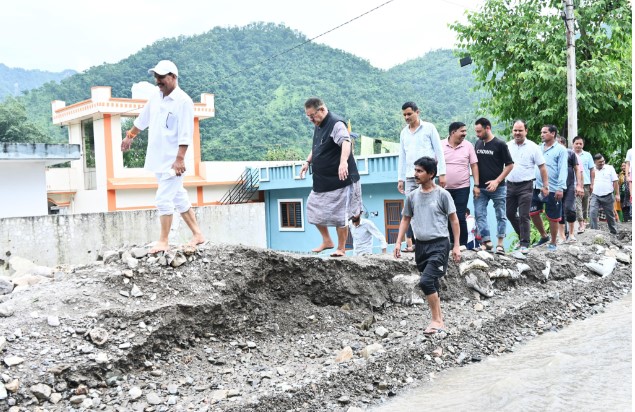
{"x":171,"y":195}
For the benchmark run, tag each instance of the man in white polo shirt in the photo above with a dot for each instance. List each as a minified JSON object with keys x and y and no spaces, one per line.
{"x":520,"y":182}
{"x":604,"y":192}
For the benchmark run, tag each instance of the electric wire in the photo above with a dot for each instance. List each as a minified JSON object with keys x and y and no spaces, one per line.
{"x":264,"y":61}
{"x":286,"y":51}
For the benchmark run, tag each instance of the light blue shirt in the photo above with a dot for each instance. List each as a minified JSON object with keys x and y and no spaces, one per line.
{"x":556,"y":161}
{"x":424,"y":141}
{"x":586,"y":160}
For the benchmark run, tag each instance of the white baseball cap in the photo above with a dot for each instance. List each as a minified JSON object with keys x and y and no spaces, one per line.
{"x":164,"y":67}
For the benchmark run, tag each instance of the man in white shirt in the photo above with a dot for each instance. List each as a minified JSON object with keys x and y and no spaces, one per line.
{"x":362,"y":232}
{"x":520,"y":182}
{"x":604,"y":192}
{"x":417,"y":139}
{"x":169,"y":114}
{"x":472,"y":242}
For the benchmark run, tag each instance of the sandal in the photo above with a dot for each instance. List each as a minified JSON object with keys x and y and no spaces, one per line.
{"x":409,"y":249}
{"x":487,"y":245}
{"x":500,"y":250}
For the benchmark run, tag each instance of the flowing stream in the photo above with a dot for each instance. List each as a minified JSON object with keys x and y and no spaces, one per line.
{"x":585,"y":367}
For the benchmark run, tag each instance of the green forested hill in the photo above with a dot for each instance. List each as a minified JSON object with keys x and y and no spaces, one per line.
{"x":259,"y":90}
{"x":13,"y":81}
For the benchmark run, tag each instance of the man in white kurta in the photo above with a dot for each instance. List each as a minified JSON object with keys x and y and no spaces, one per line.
{"x":362,"y":232}
{"x":169,"y":115}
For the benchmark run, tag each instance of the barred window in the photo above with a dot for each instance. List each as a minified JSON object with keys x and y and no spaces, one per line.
{"x":290,"y":214}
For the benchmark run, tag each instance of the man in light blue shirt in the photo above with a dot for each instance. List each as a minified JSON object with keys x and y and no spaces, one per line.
{"x":585,"y":160}
{"x":417,"y":139}
{"x":555,"y":156}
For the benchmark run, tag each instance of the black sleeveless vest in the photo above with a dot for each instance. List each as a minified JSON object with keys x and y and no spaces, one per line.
{"x":326,"y":158}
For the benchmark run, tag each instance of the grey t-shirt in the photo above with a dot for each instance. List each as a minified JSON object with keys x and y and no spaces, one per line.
{"x":429,"y":212}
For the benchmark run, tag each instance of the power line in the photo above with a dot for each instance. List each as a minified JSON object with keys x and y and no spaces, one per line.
{"x":260,"y":63}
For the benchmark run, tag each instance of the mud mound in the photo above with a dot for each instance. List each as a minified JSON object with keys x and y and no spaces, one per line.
{"x":237,"y":328}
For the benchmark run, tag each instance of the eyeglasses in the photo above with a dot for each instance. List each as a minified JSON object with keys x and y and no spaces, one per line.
{"x":312,"y":115}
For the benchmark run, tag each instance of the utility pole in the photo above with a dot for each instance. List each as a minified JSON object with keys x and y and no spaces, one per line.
{"x":572,"y":102}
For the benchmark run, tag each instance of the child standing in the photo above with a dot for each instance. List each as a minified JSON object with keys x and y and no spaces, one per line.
{"x":431,"y":206}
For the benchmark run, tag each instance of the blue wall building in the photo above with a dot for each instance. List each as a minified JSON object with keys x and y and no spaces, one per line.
{"x":285,"y":196}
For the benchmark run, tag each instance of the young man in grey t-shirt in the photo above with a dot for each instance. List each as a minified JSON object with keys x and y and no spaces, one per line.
{"x":431,"y":206}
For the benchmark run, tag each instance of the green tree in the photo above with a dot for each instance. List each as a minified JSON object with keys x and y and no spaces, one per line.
{"x":519,"y":53}
{"x":282,"y":153}
{"x":135,"y":157}
{"x":15,"y":126}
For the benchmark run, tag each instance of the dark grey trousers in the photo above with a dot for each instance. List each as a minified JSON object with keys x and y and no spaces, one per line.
{"x":607,"y":202}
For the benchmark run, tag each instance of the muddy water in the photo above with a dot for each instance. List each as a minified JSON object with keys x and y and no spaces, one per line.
{"x":585,"y":367}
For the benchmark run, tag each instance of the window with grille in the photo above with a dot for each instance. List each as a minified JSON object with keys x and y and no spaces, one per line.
{"x":291,"y":215}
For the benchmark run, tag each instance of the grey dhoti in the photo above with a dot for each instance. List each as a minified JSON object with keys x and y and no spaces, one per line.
{"x":336,"y":207}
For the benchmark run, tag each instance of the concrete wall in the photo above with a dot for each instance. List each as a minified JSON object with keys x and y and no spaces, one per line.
{"x":77,"y":239}
{"x":22,"y":189}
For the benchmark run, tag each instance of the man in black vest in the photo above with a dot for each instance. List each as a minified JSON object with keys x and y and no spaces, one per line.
{"x":337,"y":192}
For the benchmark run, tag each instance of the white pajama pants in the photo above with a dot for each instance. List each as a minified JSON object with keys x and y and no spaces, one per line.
{"x":171,"y":195}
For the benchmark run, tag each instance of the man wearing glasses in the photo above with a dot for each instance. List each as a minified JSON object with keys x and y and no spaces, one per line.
{"x":337,"y":192}
{"x":169,"y":115}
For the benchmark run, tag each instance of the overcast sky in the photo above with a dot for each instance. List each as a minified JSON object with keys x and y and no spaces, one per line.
{"x":78,"y":34}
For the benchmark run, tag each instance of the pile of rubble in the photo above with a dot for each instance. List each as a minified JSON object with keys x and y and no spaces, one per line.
{"x":237,"y":328}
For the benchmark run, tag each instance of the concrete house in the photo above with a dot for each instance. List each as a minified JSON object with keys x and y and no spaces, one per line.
{"x":99,"y":181}
{"x":23,"y":185}
{"x":285,"y":197}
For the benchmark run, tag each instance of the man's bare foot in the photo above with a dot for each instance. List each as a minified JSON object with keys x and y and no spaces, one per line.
{"x":322,"y":247}
{"x":338,"y":253}
{"x":196,"y":240}
{"x":159,"y":246}
{"x":434,"y":328}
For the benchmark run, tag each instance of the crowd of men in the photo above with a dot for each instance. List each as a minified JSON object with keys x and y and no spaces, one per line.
{"x":521,"y":178}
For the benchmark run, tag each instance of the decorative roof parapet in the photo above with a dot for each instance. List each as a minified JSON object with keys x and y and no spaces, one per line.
{"x":101,"y":101}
